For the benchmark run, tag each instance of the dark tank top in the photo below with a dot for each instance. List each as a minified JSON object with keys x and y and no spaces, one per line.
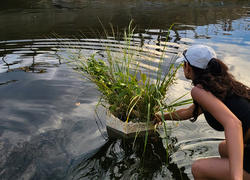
{"x":241,"y":109}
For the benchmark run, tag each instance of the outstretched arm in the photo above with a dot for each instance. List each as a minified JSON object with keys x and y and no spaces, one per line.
{"x":232,"y":127}
{"x":178,"y":115}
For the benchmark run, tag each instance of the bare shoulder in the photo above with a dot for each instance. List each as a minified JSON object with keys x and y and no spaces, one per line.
{"x":198,"y":92}
{"x":203,"y":98}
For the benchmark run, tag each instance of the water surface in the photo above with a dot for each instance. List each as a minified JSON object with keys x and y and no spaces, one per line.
{"x":48,"y":125}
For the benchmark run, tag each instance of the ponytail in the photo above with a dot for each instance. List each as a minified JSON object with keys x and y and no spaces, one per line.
{"x":214,"y":67}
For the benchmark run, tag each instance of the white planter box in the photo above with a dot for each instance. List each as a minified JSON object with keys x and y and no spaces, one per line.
{"x":117,"y":127}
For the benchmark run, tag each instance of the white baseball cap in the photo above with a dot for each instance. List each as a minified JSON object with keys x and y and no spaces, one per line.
{"x":198,"y":56}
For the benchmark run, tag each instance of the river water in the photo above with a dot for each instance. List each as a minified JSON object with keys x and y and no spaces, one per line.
{"x":48,"y":126}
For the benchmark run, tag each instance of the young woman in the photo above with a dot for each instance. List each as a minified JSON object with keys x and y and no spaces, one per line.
{"x":225,"y":103}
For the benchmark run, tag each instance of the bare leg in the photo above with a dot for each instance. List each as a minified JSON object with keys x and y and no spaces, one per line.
{"x":223,"y":149}
{"x":214,"y":168}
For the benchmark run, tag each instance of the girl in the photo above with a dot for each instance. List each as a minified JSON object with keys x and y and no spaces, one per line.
{"x":225,"y":104}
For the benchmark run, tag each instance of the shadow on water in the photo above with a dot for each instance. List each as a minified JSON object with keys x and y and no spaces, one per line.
{"x":125,"y":159}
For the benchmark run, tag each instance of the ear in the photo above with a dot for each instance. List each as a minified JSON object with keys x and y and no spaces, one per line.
{"x":189,"y":71}
{"x":189,"y":68}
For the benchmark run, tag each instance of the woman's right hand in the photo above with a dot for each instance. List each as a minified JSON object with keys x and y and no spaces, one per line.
{"x":157,"y":119}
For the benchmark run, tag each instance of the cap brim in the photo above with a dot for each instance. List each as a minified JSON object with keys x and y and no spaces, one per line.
{"x":179,"y":60}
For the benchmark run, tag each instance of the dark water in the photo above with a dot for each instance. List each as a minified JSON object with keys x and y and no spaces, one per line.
{"x":48,"y":126}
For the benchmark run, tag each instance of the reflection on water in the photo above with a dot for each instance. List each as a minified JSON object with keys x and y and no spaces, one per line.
{"x":38,"y":18}
{"x":48,"y":126}
{"x":124,"y":159}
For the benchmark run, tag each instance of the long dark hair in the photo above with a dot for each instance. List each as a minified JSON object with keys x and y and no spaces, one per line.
{"x":216,"y":79}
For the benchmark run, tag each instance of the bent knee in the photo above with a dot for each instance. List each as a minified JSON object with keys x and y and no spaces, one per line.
{"x":223,"y":149}
{"x":197,"y":168}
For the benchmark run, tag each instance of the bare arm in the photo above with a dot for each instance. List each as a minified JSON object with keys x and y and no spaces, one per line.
{"x":181,"y":114}
{"x":232,"y":126}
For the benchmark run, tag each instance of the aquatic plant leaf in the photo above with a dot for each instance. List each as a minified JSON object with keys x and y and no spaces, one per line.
{"x":123,"y":83}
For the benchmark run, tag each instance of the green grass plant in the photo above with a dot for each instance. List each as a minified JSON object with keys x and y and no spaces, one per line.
{"x":127,"y":91}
